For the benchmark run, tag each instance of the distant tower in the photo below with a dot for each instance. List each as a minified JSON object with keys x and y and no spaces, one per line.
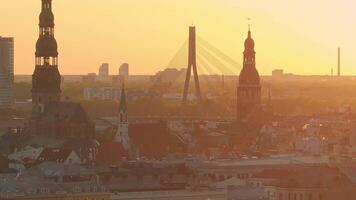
{"x":122,"y":135}
{"x":249,"y":88}
{"x":192,"y":63}
{"x":6,"y":72}
{"x":124,"y":70}
{"x":46,"y":80}
{"x":332,"y":72}
{"x":104,"y":70}
{"x":338,"y":62}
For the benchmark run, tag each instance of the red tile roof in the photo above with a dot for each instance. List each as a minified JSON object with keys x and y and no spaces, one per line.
{"x":110,"y":153}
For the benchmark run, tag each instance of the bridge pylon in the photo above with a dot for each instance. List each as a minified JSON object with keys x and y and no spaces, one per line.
{"x":192,"y":65}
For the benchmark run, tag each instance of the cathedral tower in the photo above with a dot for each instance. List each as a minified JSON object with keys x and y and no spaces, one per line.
{"x":249,"y":87}
{"x":122,"y":135}
{"x":46,"y":80}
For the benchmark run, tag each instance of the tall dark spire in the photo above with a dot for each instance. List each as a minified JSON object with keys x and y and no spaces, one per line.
{"x":249,"y":74}
{"x":249,"y":88}
{"x":122,"y":107}
{"x":46,"y":79}
{"x":249,"y":31}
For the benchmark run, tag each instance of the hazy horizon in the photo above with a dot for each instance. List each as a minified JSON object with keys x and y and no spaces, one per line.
{"x":147,"y":34}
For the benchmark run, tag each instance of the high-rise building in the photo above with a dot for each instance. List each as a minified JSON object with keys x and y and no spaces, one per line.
{"x":249,"y":88}
{"x":124,"y":70}
{"x":104,"y":70}
{"x":6,"y":72}
{"x":46,"y":80}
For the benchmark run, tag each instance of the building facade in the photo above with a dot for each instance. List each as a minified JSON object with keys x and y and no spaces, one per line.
{"x":6,"y":72}
{"x":249,"y":87}
{"x":101,"y":93}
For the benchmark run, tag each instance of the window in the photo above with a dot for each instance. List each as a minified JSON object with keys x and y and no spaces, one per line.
{"x":77,"y":189}
{"x":44,"y":190}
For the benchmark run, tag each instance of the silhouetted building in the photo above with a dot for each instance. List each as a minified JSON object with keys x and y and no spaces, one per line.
{"x":124,"y":70}
{"x":90,"y":78}
{"x":111,"y":153}
{"x":6,"y":72}
{"x":46,"y":80}
{"x":51,"y":117}
{"x":249,"y":88}
{"x":64,"y":120}
{"x":153,"y":140}
{"x":277,"y":73}
{"x":101,"y":93}
{"x":122,"y":135}
{"x":170,"y":75}
{"x":104,"y":70}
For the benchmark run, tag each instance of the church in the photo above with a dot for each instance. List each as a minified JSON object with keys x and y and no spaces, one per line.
{"x":51,"y":117}
{"x":249,"y":100}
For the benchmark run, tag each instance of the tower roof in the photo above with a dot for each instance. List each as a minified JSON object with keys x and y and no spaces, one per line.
{"x":46,"y":16}
{"x":249,"y":42}
{"x":46,"y":45}
{"x":249,"y":73}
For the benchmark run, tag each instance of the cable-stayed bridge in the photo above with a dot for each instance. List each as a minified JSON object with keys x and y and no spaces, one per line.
{"x":210,"y":60}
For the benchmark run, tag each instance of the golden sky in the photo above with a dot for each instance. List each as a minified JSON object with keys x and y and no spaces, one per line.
{"x":299,"y":36}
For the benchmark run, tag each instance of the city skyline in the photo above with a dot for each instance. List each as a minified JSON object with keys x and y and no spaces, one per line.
{"x":298,"y":44}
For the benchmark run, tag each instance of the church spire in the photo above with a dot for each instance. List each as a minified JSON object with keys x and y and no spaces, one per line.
{"x":46,"y":79}
{"x":249,"y":88}
{"x":249,"y":31}
{"x":122,"y":135}
{"x":122,"y":107}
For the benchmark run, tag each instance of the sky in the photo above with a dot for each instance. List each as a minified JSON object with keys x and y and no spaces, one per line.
{"x":299,"y":36}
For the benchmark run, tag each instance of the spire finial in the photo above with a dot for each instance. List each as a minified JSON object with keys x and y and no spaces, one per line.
{"x":249,"y":27}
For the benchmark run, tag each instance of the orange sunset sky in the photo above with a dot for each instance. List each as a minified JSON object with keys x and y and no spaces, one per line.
{"x":299,"y":36}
